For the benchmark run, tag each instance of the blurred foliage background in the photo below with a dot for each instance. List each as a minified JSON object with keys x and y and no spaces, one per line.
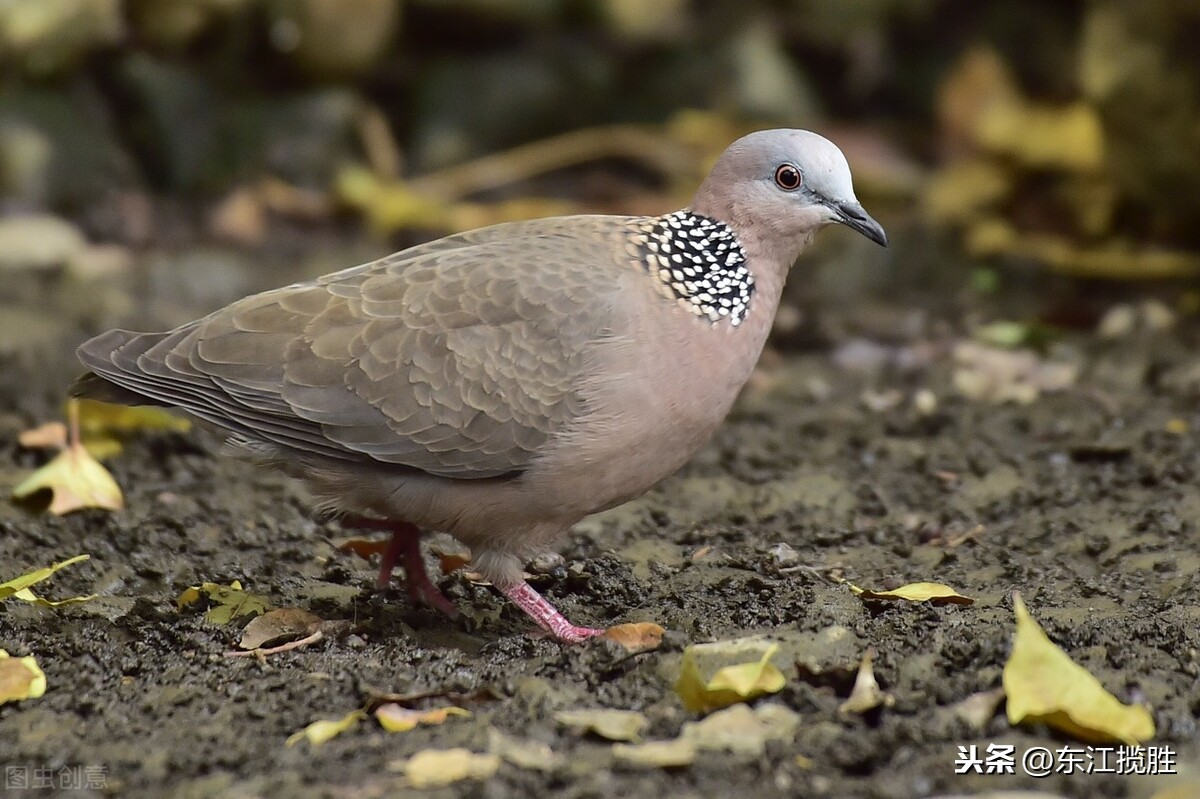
{"x":1060,"y":133}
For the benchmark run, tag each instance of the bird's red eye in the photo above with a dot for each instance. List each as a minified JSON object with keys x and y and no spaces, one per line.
{"x":787,"y":177}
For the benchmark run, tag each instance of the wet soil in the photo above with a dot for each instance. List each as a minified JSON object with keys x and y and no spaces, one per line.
{"x":1086,"y":501}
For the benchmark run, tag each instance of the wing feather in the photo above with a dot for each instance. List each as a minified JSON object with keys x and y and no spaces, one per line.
{"x":461,"y":357}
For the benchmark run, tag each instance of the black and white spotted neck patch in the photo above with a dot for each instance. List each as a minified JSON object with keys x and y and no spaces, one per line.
{"x":699,"y":262}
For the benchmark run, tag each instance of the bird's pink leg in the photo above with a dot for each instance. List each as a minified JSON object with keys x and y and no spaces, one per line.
{"x":546,"y":615}
{"x":405,"y":548}
{"x":397,"y":546}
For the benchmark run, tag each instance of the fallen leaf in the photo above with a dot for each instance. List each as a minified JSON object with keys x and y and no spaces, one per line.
{"x":76,"y":480}
{"x":1176,"y":427}
{"x":321,"y":731}
{"x":741,"y":729}
{"x":1189,"y":790}
{"x":661,"y":754}
{"x":1044,"y":685}
{"x":937,"y":593}
{"x":1117,"y":259}
{"x":51,"y":435}
{"x":397,"y":718}
{"x":735,"y":683}
{"x":1070,"y":138}
{"x":276,"y":626}
{"x":613,"y":725}
{"x":104,"y":426}
{"x":18,"y":587}
{"x":229,"y":601}
{"x":997,"y":375}
{"x":450,"y":562}
{"x":642,"y":636}
{"x":20,"y":678}
{"x":432,"y":768}
{"x":106,"y":418}
{"x":978,"y":708}
{"x":525,"y":754}
{"x":364,"y":548}
{"x":866,"y":693}
{"x":1010,"y":335}
{"x":965,"y":190}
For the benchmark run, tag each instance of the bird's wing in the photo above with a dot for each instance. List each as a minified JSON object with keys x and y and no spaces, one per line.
{"x":460,"y":358}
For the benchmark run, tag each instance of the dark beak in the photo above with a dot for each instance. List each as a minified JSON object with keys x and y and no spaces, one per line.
{"x":854,"y":217}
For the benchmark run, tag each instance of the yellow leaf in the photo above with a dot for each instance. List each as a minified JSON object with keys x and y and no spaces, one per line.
{"x":76,"y":480}
{"x":321,"y":731}
{"x":737,"y":683}
{"x":396,"y":718}
{"x":20,"y":678}
{"x":229,"y":601}
{"x":1044,"y":685}
{"x":1070,"y":137}
{"x":18,"y":587}
{"x":614,"y":725}
{"x":964,"y":191}
{"x":432,"y":768}
{"x":866,"y":693}
{"x":916,"y":592}
{"x":660,"y":754}
{"x":389,"y":205}
{"x":26,"y":595}
{"x":105,"y":418}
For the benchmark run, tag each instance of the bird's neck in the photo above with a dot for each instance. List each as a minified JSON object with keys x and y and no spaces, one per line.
{"x":698,"y":262}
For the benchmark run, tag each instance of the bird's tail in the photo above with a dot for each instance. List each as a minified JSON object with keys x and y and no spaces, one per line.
{"x":104,"y":355}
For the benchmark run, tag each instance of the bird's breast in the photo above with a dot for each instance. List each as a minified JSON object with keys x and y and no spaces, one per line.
{"x":655,"y":392}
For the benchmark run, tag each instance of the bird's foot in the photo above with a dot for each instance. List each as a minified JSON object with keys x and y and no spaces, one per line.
{"x":546,"y":615}
{"x":405,"y":548}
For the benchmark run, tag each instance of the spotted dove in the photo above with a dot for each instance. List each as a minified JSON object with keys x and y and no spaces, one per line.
{"x":504,"y":383}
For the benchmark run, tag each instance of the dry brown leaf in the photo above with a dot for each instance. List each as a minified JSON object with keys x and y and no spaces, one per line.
{"x":364,"y":548}
{"x":642,"y":636}
{"x":276,"y":626}
{"x":450,"y":562}
{"x":51,"y":435}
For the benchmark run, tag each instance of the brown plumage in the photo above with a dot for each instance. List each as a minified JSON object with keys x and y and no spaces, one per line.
{"x":503,"y":383}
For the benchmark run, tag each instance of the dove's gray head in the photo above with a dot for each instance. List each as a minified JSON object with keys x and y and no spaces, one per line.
{"x":780,"y":187}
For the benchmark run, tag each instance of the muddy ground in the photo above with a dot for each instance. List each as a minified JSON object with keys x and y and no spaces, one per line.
{"x":1086,"y":501}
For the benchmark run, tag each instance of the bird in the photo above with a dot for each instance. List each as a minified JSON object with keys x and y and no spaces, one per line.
{"x":504,"y":383}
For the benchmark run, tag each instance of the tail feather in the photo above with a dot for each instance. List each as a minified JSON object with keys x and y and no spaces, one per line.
{"x":99,"y":355}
